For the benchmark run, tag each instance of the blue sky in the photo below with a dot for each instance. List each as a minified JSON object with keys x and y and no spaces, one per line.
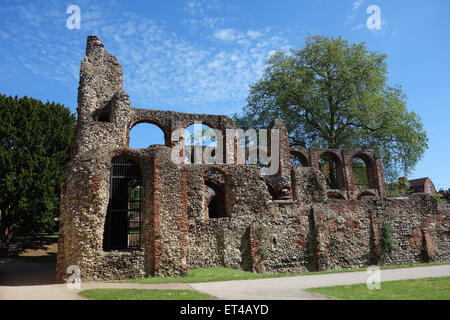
{"x":201,"y":56}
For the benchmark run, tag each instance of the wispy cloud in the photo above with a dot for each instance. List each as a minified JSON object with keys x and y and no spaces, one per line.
{"x":201,"y":6}
{"x":162,"y":69}
{"x":354,"y":13}
{"x":228,"y":34}
{"x":358,"y":19}
{"x":357,"y":4}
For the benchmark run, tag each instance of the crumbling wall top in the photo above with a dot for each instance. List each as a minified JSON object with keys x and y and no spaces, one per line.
{"x":100,"y":78}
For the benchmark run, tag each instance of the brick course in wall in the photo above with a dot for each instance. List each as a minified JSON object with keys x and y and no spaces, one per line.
{"x":287,"y":222}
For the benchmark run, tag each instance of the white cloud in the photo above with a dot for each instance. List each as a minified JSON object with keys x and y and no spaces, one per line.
{"x":354,"y":14}
{"x":254,"y":34}
{"x":161,"y":68}
{"x":200,"y":6}
{"x":358,"y":19}
{"x":359,"y":26}
{"x":228,"y":34}
{"x":357,"y":4}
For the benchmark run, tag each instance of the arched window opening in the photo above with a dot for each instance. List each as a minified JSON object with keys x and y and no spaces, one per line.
{"x":123,"y":218}
{"x":216,"y":200}
{"x":196,"y":137}
{"x":272,"y":191}
{"x":103,"y":114}
{"x":215,"y":193}
{"x":336,"y":196}
{"x":144,"y":134}
{"x":360,"y":173}
{"x":330,"y":166}
{"x":298,"y":159}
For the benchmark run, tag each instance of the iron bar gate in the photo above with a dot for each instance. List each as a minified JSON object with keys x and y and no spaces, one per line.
{"x":123,"y":218}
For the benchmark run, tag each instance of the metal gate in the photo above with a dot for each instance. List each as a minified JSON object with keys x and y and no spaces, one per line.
{"x":123,"y":218}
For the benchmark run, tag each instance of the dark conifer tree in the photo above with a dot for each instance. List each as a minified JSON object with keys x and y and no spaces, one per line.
{"x":35,"y":141}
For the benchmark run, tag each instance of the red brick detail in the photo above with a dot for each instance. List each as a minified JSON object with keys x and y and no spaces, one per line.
{"x":430,"y":250}
{"x":256,"y":250}
{"x":156,"y":218}
{"x":376,"y":239}
{"x":95,"y":184}
{"x":183,"y":223}
{"x":235,"y":145}
{"x":380,"y":176}
{"x":287,"y":159}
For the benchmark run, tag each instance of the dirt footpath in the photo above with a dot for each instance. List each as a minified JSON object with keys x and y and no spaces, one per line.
{"x":21,"y":280}
{"x":290,"y":288}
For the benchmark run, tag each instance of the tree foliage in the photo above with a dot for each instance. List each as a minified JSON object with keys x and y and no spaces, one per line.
{"x":332,"y":94}
{"x":360,"y":174}
{"x":35,"y":140}
{"x":387,"y":238}
{"x":445,"y":194}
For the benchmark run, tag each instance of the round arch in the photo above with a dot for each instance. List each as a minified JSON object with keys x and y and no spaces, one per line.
{"x":274,"y":193}
{"x":363,"y":171}
{"x":299,"y":159}
{"x":215,"y":192}
{"x":196,"y":136}
{"x":151,"y":128}
{"x":331,"y":165}
{"x":335,"y":195}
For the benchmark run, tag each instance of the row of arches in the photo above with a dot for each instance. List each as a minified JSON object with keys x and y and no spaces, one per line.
{"x":122,"y":229}
{"x":144,"y":134}
{"x":333,"y":168}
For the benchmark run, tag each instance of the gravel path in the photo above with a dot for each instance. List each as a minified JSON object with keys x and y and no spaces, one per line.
{"x":290,"y":287}
{"x":61,"y":292}
{"x":35,"y":281}
{"x":30,"y":281}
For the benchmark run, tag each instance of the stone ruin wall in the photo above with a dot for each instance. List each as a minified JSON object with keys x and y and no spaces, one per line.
{"x":304,"y":228}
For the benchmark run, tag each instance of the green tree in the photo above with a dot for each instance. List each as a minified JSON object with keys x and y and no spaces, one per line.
{"x":35,"y":140}
{"x":332,"y":94}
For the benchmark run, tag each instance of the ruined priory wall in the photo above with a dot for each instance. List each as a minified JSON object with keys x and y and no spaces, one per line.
{"x":337,"y":234}
{"x":84,"y":202}
{"x":420,"y":230}
{"x":301,"y":230}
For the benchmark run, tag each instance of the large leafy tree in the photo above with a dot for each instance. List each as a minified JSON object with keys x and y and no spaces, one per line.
{"x":35,"y":140}
{"x":333,"y":94}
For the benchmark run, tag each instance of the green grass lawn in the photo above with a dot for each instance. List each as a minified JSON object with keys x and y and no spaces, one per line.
{"x":54,"y":235}
{"x":416,"y":289}
{"x":225,"y":274}
{"x":144,"y":294}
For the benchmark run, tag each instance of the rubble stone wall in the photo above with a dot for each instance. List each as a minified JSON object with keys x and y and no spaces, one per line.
{"x":286,"y":222}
